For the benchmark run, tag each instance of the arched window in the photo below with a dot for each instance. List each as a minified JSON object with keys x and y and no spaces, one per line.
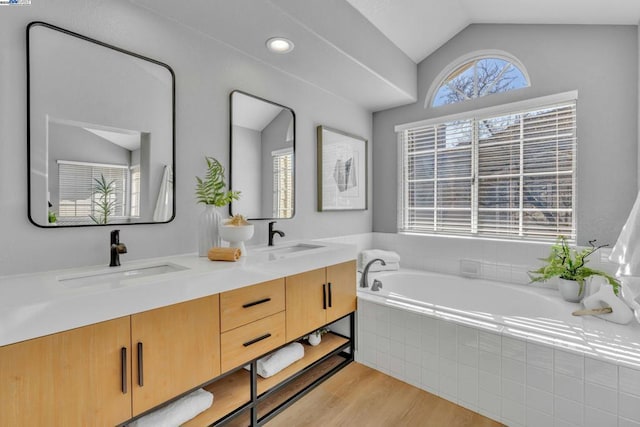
{"x":477,"y":75}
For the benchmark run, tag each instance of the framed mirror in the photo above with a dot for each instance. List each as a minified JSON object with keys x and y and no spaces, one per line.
{"x":262,"y":151}
{"x":101,"y":132}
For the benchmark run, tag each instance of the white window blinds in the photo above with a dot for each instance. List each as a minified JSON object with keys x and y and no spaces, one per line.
{"x":500,"y":175}
{"x":77,"y":195}
{"x":282,"y":183}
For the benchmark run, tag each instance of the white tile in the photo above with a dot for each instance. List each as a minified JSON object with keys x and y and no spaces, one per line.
{"x":469,"y":405}
{"x":397,"y":317}
{"x":467,"y":336}
{"x":367,"y":339}
{"x":513,"y":411}
{"x":448,"y":347}
{"x":429,"y":343}
{"x":623,"y":422}
{"x":429,"y":379}
{"x":629,"y":381}
{"x":513,"y":391}
{"x":568,"y":410}
{"x":539,"y":356}
{"x":596,"y":418}
{"x":557,"y":422}
{"x":568,"y":387}
{"x":396,"y":332}
{"x":448,"y":368}
{"x":383,"y":344}
{"x":381,"y":313}
{"x":412,"y":337}
{"x":429,"y":326}
{"x":382,"y":327}
{"x":396,"y":367}
{"x":367,"y":355}
{"x":599,"y":372}
{"x":468,"y":385}
{"x":413,"y":374}
{"x":413,"y":321}
{"x":514,"y":348}
{"x":542,"y":379}
{"x":539,"y":419}
{"x":489,"y":383}
{"x":448,"y":386}
{"x":489,"y":404}
{"x":489,"y":362}
{"x":513,"y":370}
{"x":382,"y":361}
{"x":569,"y":363}
{"x":629,"y":406}
{"x":468,"y":356}
{"x":539,"y":400}
{"x":430,"y":361}
{"x":603,"y":398}
{"x":412,"y":355}
{"x":396,"y":350}
{"x":489,"y":342}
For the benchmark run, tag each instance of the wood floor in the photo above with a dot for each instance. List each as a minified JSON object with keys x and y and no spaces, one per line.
{"x":361,"y":396}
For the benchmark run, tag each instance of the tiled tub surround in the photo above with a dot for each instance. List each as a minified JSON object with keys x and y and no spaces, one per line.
{"x":522,"y":371}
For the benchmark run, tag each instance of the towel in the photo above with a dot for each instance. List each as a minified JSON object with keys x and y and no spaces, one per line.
{"x":224,"y":254}
{"x":391,"y":258}
{"x":606,"y":298}
{"x":178,"y":412}
{"x":270,"y":365}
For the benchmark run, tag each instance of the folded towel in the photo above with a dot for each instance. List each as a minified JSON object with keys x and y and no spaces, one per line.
{"x":270,"y":365}
{"x":224,"y":254}
{"x":178,"y":412}
{"x":390,"y":266}
{"x":389,"y":257}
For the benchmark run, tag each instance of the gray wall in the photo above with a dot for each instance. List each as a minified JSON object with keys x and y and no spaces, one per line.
{"x":247,"y":150}
{"x":206,"y":72}
{"x":274,"y":137}
{"x":601,"y":62}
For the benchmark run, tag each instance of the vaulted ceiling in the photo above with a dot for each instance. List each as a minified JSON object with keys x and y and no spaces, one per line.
{"x":366,"y":50}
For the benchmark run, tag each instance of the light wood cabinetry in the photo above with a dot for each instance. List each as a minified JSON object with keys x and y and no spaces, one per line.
{"x":245,"y":305}
{"x":315,"y":298}
{"x":175,"y":348}
{"x":72,"y":378}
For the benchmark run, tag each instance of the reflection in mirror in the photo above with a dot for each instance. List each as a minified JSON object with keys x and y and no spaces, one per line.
{"x":101,"y":132}
{"x":262,"y":158}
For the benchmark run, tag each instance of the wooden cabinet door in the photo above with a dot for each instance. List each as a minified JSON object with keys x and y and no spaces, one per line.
{"x":175,"y":348}
{"x":304,"y":302}
{"x":341,"y":281}
{"x":69,"y":379}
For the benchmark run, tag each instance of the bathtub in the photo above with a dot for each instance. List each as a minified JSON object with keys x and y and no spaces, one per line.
{"x":513,"y":353}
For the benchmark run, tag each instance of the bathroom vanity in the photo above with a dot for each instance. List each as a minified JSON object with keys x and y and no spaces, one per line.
{"x":106,"y":351}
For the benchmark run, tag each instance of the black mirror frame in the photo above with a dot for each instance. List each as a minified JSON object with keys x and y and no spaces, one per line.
{"x":173,"y":124}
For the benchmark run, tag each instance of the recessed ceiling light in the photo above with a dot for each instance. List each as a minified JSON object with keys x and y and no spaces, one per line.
{"x":279,"y":45}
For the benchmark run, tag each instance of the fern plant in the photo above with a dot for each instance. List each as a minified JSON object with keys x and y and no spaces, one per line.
{"x":102,"y":191}
{"x":569,"y":264}
{"x":211,"y":189}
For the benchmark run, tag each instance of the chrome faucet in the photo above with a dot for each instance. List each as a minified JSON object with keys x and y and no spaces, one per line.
{"x":117,"y":248}
{"x":273,"y":232}
{"x":364,"y":279}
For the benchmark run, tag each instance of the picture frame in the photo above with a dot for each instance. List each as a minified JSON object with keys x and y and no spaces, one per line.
{"x":342,"y":171}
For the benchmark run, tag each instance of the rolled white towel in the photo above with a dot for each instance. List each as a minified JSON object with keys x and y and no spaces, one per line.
{"x":275,"y":362}
{"x":390,"y":266}
{"x":390,"y":257}
{"x":178,"y":412}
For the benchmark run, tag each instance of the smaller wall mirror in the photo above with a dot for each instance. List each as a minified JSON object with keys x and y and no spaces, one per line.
{"x":101,"y":132}
{"x":262,"y":157}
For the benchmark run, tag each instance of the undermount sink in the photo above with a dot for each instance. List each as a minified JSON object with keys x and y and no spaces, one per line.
{"x":117,"y":274}
{"x":298,"y":247}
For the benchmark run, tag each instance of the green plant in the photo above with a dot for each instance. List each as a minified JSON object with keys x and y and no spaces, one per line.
{"x":211,"y":189}
{"x":569,"y":264}
{"x":52,"y":217}
{"x":320,"y":332}
{"x":102,"y":192}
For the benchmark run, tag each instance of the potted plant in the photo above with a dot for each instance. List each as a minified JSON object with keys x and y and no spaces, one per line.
{"x":102,"y":192}
{"x":212,"y":193}
{"x":568,"y":265}
{"x":315,"y":337}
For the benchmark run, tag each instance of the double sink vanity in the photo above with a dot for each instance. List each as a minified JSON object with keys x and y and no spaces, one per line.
{"x":102,"y":346}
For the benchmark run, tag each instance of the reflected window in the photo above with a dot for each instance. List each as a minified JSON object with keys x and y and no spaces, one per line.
{"x":135,"y":191}
{"x":479,"y":77}
{"x":282,"y":183}
{"x":89,"y":191}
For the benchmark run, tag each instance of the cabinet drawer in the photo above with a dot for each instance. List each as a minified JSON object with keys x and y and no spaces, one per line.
{"x":245,"y":305}
{"x":247,"y":342}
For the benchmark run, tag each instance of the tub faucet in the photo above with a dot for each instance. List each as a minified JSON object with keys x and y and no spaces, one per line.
{"x":116,"y":248}
{"x":377,"y":285}
{"x":273,"y":232}
{"x":364,"y":279}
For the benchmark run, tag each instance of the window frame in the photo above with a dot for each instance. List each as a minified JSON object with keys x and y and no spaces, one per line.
{"x":464,"y":59}
{"x":503,"y":109}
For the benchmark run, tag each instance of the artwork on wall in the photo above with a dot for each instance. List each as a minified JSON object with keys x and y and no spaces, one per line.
{"x":342,"y":171}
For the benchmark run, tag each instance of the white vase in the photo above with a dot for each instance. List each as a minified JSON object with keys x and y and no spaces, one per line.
{"x":314,"y":339}
{"x":208,"y":229}
{"x":570,"y":290}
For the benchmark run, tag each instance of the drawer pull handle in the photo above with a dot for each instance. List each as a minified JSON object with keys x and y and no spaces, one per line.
{"x":324,"y":297}
{"x":255,"y":340}
{"x":140,"y":367}
{"x":123,"y":370}
{"x":330,"y":305}
{"x":260,"y":301}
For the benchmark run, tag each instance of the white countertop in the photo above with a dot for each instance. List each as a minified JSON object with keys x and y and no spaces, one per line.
{"x":34,"y":305}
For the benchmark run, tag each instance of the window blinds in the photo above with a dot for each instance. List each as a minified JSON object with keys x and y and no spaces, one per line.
{"x":282,"y":183}
{"x":502,"y":175}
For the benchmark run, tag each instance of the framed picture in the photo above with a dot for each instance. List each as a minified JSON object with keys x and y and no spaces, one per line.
{"x":342,"y":171}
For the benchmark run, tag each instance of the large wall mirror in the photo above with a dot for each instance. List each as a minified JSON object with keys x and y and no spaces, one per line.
{"x":262,"y":157}
{"x":101,"y":137}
